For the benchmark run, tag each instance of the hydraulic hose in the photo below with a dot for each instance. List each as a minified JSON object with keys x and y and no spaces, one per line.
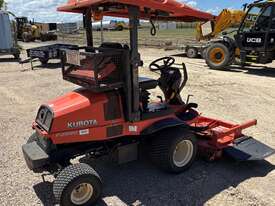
{"x":153,"y":29}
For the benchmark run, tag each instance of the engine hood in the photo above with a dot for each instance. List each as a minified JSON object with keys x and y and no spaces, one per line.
{"x":78,"y":109}
{"x":76,"y":100}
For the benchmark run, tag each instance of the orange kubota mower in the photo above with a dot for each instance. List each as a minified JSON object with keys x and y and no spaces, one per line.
{"x":111,"y":113}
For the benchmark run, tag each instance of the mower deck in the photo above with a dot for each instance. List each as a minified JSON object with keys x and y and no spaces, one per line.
{"x":248,"y":149}
{"x":216,"y":137}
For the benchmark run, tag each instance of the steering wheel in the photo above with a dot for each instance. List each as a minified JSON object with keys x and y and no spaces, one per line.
{"x":167,"y":62}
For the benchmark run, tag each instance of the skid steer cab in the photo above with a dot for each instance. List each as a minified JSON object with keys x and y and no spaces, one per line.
{"x":254,"y":41}
{"x":113,"y":113}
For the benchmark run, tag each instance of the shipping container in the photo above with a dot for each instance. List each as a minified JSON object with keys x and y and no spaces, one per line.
{"x":6,"y":40}
{"x":8,"y":43}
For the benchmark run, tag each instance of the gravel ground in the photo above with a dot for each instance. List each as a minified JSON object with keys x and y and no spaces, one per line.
{"x":236,"y":95}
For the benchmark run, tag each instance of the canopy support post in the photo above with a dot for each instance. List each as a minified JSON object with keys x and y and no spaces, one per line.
{"x":135,"y":62}
{"x":88,"y":27}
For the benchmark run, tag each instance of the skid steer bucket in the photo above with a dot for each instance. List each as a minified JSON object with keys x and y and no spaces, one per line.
{"x":248,"y":149}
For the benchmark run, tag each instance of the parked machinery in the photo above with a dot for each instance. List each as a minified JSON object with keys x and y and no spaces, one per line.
{"x":253,"y":43}
{"x":207,"y":31}
{"x":226,"y":19}
{"x":112,"y":25}
{"x":30,"y":31}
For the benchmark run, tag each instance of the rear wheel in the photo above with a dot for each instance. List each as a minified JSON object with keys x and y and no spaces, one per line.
{"x":175,"y":150}
{"x":192,"y":52}
{"x":77,"y":184}
{"x":217,"y":56}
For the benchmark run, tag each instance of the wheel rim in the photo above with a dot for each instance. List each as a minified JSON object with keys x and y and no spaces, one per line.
{"x":82,"y":193}
{"x":191,"y":52}
{"x":217,"y":55}
{"x":183,"y":153}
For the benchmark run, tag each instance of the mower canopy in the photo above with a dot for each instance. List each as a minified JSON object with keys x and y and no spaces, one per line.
{"x":168,"y":10}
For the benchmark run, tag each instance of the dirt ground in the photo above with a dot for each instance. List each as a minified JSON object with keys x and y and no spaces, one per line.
{"x":235,"y":95}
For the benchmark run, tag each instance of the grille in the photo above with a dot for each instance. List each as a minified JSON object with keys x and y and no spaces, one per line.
{"x":44,"y":118}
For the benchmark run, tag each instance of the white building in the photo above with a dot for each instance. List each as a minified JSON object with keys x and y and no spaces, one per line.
{"x":167,"y":25}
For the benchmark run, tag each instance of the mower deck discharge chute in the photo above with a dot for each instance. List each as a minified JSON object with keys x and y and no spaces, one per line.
{"x":112,"y":114}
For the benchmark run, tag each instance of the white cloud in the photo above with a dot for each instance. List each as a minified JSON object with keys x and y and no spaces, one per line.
{"x":189,"y":3}
{"x":45,"y":10}
{"x":215,"y":10}
{"x":41,"y":10}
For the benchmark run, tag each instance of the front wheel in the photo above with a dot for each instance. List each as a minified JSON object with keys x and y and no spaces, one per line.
{"x":217,"y":56}
{"x":175,"y":150}
{"x":77,"y":184}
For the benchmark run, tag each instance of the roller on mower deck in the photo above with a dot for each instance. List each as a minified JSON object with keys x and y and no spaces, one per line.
{"x":111,"y":114}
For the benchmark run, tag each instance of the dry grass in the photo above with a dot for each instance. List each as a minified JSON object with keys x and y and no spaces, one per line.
{"x":163,"y":37}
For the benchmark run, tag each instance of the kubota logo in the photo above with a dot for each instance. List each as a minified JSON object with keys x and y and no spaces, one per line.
{"x":254,"y":40}
{"x":84,"y":123}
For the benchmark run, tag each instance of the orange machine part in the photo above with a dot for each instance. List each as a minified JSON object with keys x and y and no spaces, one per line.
{"x":177,"y":11}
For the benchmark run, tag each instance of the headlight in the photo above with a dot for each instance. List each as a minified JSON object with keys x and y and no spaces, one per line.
{"x":44,"y":118}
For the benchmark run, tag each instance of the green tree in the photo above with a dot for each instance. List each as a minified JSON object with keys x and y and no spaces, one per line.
{"x":1,"y":3}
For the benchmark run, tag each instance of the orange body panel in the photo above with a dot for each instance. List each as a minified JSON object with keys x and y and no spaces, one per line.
{"x":83,"y":105}
{"x":178,"y":11}
{"x":82,"y":116}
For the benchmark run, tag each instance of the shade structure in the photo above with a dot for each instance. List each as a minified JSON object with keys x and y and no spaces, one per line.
{"x":168,"y":10}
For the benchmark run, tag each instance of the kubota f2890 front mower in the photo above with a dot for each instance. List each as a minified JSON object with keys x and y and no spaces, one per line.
{"x":111,"y":114}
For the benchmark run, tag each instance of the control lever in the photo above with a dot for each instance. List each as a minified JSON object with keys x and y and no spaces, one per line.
{"x":185,"y":78}
{"x":188,"y":98}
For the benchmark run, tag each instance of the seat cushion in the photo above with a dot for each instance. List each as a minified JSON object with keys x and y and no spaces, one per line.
{"x":147,"y":83}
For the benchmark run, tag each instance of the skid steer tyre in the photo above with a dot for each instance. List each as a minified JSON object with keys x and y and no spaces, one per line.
{"x":217,"y":56}
{"x":174,"y":150}
{"x":77,"y":184}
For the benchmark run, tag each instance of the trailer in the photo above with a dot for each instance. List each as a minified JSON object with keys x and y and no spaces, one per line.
{"x":8,"y":40}
{"x":195,"y":50}
{"x":191,"y":49}
{"x":45,"y":53}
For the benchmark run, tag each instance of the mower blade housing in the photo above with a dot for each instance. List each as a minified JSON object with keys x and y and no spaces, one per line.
{"x":248,"y":149}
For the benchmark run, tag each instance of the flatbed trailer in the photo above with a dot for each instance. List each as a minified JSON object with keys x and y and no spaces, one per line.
{"x":192,"y":49}
{"x":45,"y":53}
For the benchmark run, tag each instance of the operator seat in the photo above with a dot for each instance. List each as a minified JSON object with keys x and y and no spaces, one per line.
{"x":147,"y":83}
{"x":144,"y":82}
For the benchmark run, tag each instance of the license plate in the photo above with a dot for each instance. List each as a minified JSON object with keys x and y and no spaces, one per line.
{"x":73,"y":57}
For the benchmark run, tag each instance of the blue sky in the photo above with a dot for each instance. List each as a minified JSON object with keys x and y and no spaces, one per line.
{"x":45,"y":10}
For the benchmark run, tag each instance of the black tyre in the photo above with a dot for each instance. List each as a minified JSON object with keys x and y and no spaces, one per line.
{"x":192,"y":52}
{"x":119,"y":28}
{"x":174,"y":150}
{"x":203,"y":53}
{"x":26,"y":37}
{"x":43,"y":61}
{"x":77,"y":184}
{"x":217,"y":56}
